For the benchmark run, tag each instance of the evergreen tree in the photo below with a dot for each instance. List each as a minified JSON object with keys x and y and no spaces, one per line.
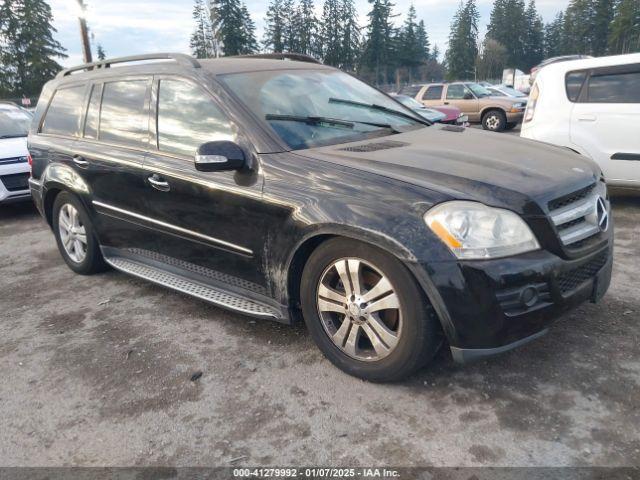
{"x":554,"y":37}
{"x":602,"y":18}
{"x":202,"y":42}
{"x":410,"y":52}
{"x":577,"y":29}
{"x":331,"y":32}
{"x":27,"y":47}
{"x":273,"y":39}
{"x":423,"y":41}
{"x":463,"y":42}
{"x":350,"y":36}
{"x":625,"y":28}
{"x":289,"y":27}
{"x":248,"y":32}
{"x":307,"y":29}
{"x":230,"y":25}
{"x":100,"y":53}
{"x":378,"y":53}
{"x":509,"y":26}
{"x":534,"y":39}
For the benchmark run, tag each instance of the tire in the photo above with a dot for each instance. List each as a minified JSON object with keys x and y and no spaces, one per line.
{"x":494,"y":121}
{"x":414,"y":324}
{"x":92,"y":261}
{"x":510,"y":126}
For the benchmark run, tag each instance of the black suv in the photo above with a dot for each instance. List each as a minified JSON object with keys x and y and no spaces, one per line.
{"x":285,"y":189}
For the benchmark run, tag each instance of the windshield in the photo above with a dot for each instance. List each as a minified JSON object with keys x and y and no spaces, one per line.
{"x":512,"y":92}
{"x":308,"y":108}
{"x":13,"y":122}
{"x":412,"y":103}
{"x":478,"y":90}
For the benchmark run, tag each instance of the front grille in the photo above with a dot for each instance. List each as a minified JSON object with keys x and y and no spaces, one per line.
{"x":372,"y":147}
{"x":572,"y":279}
{"x":571,"y":198}
{"x":575,"y":216}
{"x":15,"y":182}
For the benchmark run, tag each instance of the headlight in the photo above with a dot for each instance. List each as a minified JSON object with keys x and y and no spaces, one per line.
{"x":475,"y":231}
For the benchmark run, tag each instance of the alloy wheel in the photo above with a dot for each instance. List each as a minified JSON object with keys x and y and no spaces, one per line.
{"x":72,"y":233}
{"x":359,"y":309}
{"x":493,"y":122}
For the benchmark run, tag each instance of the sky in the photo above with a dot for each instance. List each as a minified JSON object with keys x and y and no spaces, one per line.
{"x":129,"y":27}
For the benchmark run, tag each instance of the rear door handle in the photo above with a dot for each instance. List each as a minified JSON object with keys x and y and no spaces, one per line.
{"x":587,"y":118}
{"x":80,"y":161}
{"x":159,"y":183}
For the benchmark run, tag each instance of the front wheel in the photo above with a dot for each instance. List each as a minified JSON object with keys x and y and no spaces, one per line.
{"x":75,"y":235}
{"x":366,"y":313}
{"x":494,"y":121}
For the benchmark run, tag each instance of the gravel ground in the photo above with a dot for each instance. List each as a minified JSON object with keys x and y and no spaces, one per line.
{"x":96,"y":372}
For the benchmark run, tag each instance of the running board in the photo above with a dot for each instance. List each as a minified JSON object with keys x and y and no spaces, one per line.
{"x":196,"y":289}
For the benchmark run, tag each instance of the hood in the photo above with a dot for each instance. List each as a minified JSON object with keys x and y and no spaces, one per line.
{"x":13,"y":147}
{"x":496,"y":169}
{"x":430,"y":114}
{"x":451,"y":112}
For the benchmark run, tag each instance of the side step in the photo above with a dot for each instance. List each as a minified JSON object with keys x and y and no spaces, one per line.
{"x":204,"y":292}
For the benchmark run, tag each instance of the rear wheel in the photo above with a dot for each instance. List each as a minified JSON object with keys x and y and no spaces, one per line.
{"x":366,"y":313}
{"x":75,"y":235}
{"x":494,"y":121}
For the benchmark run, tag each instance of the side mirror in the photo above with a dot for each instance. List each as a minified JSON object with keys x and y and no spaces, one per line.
{"x":219,"y":156}
{"x":468,"y":96}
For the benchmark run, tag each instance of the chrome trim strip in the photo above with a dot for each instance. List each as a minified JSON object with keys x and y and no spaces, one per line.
{"x":232,"y":246}
{"x":574,"y":211}
{"x":578,"y":233}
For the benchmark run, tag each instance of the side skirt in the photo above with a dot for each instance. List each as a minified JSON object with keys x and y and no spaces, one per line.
{"x":189,"y":279}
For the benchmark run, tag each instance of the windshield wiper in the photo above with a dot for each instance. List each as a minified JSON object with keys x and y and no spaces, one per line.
{"x":15,"y":135}
{"x":314,"y":120}
{"x":381,"y":108}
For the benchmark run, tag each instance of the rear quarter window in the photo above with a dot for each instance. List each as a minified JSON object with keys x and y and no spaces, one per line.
{"x":573,"y":83}
{"x":433,"y":93}
{"x":614,"y":87}
{"x":64,"y":112}
{"x":411,"y":90}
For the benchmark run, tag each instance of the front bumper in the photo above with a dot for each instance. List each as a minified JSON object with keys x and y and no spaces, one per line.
{"x":11,"y":187}
{"x":491,"y":306}
{"x":515,"y":117}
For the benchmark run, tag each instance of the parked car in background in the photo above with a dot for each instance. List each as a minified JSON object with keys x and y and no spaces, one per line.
{"x":430,"y":114}
{"x":475,"y":101}
{"x":437,"y":114}
{"x":505,"y":91}
{"x":453,"y":115}
{"x":563,"y":58}
{"x":14,"y":156}
{"x":591,"y":106}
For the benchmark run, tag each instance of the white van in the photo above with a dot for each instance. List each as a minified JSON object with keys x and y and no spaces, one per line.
{"x":591,"y":106}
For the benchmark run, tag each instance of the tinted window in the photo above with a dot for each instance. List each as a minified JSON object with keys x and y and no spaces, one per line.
{"x":93,"y":113}
{"x":14,"y":122}
{"x":573,"y":82}
{"x":187,"y":118}
{"x":63,"y":115}
{"x":456,"y":92}
{"x":123,"y":117}
{"x":615,"y":88}
{"x":433,"y":93}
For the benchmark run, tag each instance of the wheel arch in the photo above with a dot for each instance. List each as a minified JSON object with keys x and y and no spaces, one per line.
{"x":486,"y":110}
{"x":57,"y":178}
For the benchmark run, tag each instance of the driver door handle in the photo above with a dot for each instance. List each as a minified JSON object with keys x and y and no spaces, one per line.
{"x":159,"y":183}
{"x":80,"y":161}
{"x":587,"y":118}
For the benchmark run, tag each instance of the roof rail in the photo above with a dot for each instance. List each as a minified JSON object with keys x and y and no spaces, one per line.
{"x":181,"y":58}
{"x":298,"y":57}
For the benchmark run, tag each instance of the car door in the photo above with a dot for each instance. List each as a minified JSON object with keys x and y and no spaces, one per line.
{"x":210,"y":222}
{"x":605,"y":122}
{"x":110,"y":155}
{"x":458,"y":95}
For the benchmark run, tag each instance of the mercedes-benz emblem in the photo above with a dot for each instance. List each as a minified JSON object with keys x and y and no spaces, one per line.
{"x":602,"y":214}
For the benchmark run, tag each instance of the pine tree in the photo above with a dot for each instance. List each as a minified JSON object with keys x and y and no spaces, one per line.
{"x":534,"y":39}
{"x":463,"y":42}
{"x":625,"y":28}
{"x":602,"y":18}
{"x":202,"y":42}
{"x":554,"y":37}
{"x":423,"y":40}
{"x":509,"y":26}
{"x":100,"y":53}
{"x":331,"y":32}
{"x":577,"y":29}
{"x":378,"y":53}
{"x":28,"y":49}
{"x":248,"y":31}
{"x":230,"y":26}
{"x":273,"y":39}
{"x":289,"y":27}
{"x":350,"y":36}
{"x":307,"y":29}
